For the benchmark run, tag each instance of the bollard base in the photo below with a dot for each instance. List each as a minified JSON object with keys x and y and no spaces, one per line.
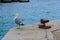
{"x":44,"y":27}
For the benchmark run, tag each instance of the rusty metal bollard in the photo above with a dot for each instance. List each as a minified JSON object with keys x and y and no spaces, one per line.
{"x":43,"y":24}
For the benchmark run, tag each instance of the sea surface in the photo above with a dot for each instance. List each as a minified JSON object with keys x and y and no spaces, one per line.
{"x":30,"y":12}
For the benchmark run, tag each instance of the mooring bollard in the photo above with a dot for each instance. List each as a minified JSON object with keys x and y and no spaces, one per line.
{"x":43,"y":24}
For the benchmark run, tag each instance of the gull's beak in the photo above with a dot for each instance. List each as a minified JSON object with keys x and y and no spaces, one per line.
{"x":15,"y":14}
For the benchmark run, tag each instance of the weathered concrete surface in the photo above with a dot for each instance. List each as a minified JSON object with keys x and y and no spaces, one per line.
{"x":26,"y":34}
{"x":57,"y":34}
{"x":32,"y":32}
{"x":55,"y":29}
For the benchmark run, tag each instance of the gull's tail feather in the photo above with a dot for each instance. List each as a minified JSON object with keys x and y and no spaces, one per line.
{"x":21,"y":24}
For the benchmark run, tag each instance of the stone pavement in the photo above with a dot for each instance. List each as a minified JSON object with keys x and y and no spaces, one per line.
{"x":32,"y":32}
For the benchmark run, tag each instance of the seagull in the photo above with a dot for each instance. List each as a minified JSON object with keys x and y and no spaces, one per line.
{"x":17,"y":21}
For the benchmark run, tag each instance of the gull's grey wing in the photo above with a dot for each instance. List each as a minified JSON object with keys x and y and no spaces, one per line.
{"x":17,"y":21}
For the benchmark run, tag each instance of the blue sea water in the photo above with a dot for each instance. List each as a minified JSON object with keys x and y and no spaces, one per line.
{"x":30,"y":12}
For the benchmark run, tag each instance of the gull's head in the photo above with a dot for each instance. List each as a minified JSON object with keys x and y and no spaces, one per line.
{"x":16,"y":14}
